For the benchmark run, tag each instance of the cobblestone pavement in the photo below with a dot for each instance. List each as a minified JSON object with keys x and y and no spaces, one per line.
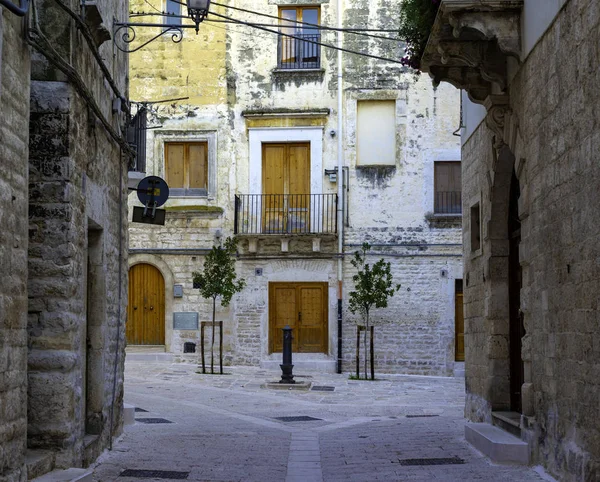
{"x":225,"y":428}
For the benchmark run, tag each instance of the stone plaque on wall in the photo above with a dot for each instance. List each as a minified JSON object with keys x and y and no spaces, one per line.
{"x":185,"y":321}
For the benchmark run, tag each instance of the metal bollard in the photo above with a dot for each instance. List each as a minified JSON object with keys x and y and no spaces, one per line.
{"x":286,"y":366}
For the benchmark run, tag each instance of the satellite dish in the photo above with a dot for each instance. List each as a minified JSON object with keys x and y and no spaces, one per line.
{"x":153,"y":191}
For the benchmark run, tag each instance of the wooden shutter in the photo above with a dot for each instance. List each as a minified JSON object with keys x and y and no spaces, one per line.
{"x":197,"y":166}
{"x":174,"y":165}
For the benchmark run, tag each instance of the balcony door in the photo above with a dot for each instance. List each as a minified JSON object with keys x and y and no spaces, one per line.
{"x":302,"y":306}
{"x":286,"y":187}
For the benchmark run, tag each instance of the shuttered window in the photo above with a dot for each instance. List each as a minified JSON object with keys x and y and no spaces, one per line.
{"x":448,"y":198}
{"x":298,"y":47}
{"x":186,"y":168}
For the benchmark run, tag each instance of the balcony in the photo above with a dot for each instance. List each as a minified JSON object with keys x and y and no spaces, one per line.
{"x":449,"y":202}
{"x":285,"y":214}
{"x":299,"y":54}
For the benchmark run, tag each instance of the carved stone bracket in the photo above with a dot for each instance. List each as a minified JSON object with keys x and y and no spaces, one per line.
{"x":469,"y":45}
{"x":498,"y":111}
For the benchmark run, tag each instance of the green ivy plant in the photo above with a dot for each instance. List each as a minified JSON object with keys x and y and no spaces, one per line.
{"x":416,"y":20}
{"x":373,"y":285}
{"x":219,"y":280}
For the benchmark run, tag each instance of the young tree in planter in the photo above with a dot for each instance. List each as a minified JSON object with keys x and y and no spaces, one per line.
{"x":218,"y":280}
{"x":372,"y":288}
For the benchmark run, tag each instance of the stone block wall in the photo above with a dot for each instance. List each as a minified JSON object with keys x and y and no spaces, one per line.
{"x":14,"y":99}
{"x":415,"y":333}
{"x":554,"y":103}
{"x":77,"y":249}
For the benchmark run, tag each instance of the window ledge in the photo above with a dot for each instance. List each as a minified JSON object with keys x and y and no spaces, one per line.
{"x":211,"y":212}
{"x":295,"y":75}
{"x":295,"y":71}
{"x":438,"y":220}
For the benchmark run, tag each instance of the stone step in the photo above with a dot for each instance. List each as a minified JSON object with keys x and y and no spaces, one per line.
{"x":302,"y":367}
{"x":149,"y":357}
{"x":38,"y":462}
{"x":498,"y":445}
{"x":145,"y":349}
{"x":128,"y":414}
{"x":508,"y":421}
{"x":68,"y":475}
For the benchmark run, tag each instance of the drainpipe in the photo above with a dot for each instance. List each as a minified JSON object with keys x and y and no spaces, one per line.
{"x":340,"y":184}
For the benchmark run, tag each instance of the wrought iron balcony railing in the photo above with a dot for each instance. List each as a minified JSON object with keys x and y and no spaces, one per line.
{"x":285,"y":214}
{"x":448,"y":202}
{"x":299,"y":54}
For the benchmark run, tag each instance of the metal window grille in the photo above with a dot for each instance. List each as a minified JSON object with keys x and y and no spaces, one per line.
{"x":136,"y":137}
{"x":448,"y":202}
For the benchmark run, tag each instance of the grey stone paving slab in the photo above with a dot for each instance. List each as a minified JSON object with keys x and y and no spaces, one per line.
{"x":224,"y":429}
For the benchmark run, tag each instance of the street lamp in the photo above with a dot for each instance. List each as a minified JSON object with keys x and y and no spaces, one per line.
{"x":125,"y":32}
{"x":197,"y":10}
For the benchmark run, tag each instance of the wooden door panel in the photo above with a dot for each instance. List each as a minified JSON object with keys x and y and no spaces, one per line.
{"x":282,"y":312}
{"x":299,"y":188}
{"x":299,"y":168}
{"x":146,"y":310}
{"x":273,"y":187}
{"x":312,"y":330}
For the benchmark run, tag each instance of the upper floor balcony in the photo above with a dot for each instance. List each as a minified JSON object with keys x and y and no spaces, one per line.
{"x":286,"y":214}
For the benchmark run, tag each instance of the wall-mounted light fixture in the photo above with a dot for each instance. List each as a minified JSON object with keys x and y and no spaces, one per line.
{"x":125,"y":32}
{"x":198,"y":10}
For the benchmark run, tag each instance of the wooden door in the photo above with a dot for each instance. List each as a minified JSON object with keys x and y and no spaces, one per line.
{"x":459,"y":322}
{"x":286,"y":187}
{"x":302,"y":306}
{"x":146,"y":310}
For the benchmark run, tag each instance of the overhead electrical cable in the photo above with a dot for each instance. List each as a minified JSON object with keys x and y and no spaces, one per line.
{"x":313,"y":26}
{"x":314,"y":42}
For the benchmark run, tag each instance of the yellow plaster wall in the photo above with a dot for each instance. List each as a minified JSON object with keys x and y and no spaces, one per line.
{"x":194,"y":67}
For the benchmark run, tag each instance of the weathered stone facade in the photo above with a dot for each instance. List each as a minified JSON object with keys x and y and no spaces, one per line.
{"x":14,"y":114}
{"x":239,"y":100}
{"x":63,"y":215}
{"x":531,"y":171}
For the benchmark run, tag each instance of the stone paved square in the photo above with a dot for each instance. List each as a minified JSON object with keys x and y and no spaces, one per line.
{"x":224,"y":429}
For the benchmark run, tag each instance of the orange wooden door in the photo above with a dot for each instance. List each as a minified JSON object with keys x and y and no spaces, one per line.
{"x":459,"y":323}
{"x":302,"y":306}
{"x":146,"y":310}
{"x":286,"y":186}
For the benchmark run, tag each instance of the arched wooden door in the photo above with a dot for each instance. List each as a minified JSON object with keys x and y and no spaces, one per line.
{"x":146,"y":310}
